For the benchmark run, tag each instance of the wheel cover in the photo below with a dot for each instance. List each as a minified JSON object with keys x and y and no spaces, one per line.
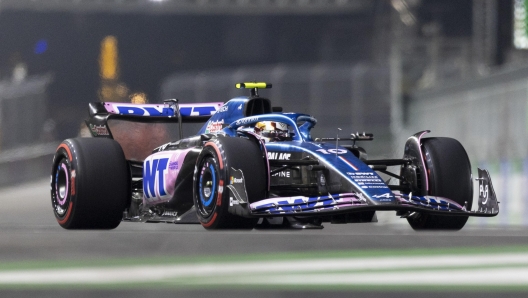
{"x":207,"y":187}
{"x":61,"y":189}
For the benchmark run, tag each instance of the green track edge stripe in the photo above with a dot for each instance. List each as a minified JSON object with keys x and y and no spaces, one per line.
{"x":253,"y":257}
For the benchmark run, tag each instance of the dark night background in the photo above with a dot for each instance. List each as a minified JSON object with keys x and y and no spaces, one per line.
{"x":151,"y":47}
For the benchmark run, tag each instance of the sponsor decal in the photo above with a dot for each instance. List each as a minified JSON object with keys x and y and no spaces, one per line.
{"x":198,"y":111}
{"x":332,"y":151}
{"x":223,"y":109}
{"x":279,"y":155}
{"x":360,"y":174}
{"x":173,"y":165}
{"x":363,"y":178}
{"x":283,"y":174}
{"x":169,"y":213}
{"x":235,"y":180}
{"x":99,"y":130}
{"x":233,"y":201}
{"x":247,"y":120}
{"x":73,"y":176}
{"x":144,"y":111}
{"x":385,"y":195}
{"x":368,"y":180}
{"x":483,"y":193}
{"x":309,"y":204}
{"x":240,"y":107}
{"x":161,"y":110}
{"x":154,"y":171}
{"x":214,"y":126}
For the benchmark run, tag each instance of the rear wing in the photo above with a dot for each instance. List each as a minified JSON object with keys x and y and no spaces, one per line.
{"x":168,"y":112}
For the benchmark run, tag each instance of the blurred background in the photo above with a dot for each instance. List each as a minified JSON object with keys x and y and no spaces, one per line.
{"x":392,"y":68}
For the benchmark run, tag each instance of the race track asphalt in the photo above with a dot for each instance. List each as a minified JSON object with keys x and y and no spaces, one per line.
{"x":30,"y":236}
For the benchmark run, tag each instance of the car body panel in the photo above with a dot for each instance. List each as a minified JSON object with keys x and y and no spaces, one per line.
{"x":160,"y":171}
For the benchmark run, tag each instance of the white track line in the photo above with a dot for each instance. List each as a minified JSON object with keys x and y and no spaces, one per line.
{"x":444,"y":278}
{"x":513,"y":271}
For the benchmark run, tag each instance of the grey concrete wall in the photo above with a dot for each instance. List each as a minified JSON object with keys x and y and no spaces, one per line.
{"x":26,"y":140}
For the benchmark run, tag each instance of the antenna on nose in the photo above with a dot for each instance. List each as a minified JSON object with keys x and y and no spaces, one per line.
{"x":337,"y":140}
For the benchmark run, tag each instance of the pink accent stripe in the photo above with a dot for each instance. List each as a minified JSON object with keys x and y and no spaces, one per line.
{"x":423,"y":161}
{"x":349,"y":163}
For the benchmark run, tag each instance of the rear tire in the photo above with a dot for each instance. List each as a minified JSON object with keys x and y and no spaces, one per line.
{"x":90,"y":183}
{"x":212,"y":176}
{"x":449,"y":172}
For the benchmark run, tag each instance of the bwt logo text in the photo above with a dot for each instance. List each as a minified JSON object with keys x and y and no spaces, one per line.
{"x":160,"y":111}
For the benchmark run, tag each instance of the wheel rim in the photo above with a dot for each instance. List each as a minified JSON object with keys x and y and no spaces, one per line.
{"x":61,"y":191}
{"x":207,"y":187}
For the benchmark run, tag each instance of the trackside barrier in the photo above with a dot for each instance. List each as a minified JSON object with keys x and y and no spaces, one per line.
{"x":26,"y":163}
{"x":26,"y":148}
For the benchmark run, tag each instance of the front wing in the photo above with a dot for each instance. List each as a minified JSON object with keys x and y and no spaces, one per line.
{"x":488,"y":205}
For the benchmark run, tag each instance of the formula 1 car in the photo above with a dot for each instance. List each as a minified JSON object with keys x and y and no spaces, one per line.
{"x":251,"y":164}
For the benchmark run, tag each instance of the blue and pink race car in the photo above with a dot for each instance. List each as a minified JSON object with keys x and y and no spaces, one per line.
{"x":252,"y":165}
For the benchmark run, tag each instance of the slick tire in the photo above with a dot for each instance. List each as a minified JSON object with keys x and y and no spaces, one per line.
{"x":90,"y":183}
{"x":212,"y":176}
{"x":449,"y":172}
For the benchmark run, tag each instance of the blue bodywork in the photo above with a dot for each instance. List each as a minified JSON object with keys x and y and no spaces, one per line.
{"x":350,"y":183}
{"x":347,"y":170}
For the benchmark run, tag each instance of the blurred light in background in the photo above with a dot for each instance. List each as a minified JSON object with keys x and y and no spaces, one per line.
{"x":19,"y":72}
{"x":111,"y":88}
{"x":109,"y":58}
{"x":520,"y":28}
{"x":121,"y":90}
{"x":138,"y":98}
{"x":403,"y":8}
{"x":41,"y":47}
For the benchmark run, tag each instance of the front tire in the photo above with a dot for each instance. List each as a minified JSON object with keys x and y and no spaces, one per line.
{"x":90,"y":183}
{"x":212,"y":176}
{"x":449,"y":172}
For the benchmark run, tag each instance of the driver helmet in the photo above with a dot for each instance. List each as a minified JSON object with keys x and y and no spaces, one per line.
{"x":272,"y":131}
